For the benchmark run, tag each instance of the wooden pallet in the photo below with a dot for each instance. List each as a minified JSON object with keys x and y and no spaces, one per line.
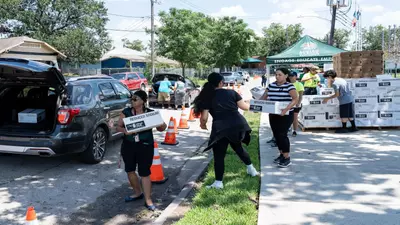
{"x":305,"y":129}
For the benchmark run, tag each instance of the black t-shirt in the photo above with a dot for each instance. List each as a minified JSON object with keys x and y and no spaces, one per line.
{"x":224,"y":105}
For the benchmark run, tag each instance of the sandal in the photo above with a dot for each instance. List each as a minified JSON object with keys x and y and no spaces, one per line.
{"x":150,"y":207}
{"x":130,"y":199}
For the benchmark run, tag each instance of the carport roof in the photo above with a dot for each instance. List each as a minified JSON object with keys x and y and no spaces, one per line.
{"x":7,"y":44}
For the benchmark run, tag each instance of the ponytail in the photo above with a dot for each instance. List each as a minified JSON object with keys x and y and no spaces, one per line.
{"x":203,"y":100}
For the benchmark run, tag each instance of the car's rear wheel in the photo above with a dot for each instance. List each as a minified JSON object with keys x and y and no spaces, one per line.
{"x":97,"y":147}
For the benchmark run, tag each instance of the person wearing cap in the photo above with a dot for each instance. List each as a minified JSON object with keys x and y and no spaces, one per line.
{"x":311,"y":81}
{"x":300,"y":90}
{"x":343,"y":94}
{"x":137,"y":149}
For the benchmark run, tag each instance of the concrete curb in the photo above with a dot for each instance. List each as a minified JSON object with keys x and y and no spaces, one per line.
{"x":187,"y":188}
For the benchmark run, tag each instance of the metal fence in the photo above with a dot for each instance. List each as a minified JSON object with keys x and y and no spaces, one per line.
{"x":189,"y":72}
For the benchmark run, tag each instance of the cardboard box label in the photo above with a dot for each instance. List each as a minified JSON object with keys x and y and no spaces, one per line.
{"x":366,"y":115}
{"x":317,"y":100}
{"x":366,"y":99}
{"x":268,"y":106}
{"x":143,"y":122}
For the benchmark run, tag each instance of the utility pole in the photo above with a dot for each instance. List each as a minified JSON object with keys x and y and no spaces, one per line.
{"x":153,"y":70}
{"x":333,"y":21}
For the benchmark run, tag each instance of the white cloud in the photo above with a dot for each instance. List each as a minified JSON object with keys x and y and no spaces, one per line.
{"x":373,"y":8}
{"x":387,"y":18}
{"x":301,"y":4}
{"x":231,"y":11}
{"x":297,"y":11}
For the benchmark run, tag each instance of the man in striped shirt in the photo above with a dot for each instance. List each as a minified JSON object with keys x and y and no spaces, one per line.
{"x":282,"y":91}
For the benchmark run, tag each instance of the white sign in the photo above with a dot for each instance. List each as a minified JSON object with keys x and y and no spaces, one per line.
{"x":145,"y":121}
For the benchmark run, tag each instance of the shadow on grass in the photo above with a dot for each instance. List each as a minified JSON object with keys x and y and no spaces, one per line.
{"x":235,"y":203}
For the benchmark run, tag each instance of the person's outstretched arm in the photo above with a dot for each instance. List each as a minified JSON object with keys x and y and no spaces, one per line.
{"x":204,"y":119}
{"x":244,"y":105}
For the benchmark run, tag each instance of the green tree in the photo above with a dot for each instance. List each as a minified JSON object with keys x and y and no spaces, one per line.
{"x":231,"y":41}
{"x":76,"y":28}
{"x":372,"y":37}
{"x":182,"y":36}
{"x":134,"y":44}
{"x":277,"y":38}
{"x":341,"y":38}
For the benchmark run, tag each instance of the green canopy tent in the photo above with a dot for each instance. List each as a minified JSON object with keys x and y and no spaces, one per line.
{"x":306,"y":50}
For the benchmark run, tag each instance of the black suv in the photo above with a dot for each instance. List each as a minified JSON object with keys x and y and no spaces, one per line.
{"x":78,"y":116}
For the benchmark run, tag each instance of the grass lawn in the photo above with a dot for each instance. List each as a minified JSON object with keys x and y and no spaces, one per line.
{"x":198,"y":81}
{"x":235,"y":203}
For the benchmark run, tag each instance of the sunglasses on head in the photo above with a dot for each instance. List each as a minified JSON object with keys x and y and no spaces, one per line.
{"x":135,"y":99}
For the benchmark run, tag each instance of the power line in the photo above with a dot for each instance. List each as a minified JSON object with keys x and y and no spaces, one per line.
{"x":119,"y":15}
{"x":121,"y":30}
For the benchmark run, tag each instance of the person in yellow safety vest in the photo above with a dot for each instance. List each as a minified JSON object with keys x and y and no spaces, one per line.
{"x":311,"y":81}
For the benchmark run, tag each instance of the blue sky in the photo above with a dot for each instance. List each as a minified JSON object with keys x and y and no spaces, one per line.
{"x":257,"y":14}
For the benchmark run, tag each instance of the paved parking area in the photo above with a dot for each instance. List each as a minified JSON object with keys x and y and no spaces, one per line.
{"x":65,"y":191}
{"x":58,"y":187}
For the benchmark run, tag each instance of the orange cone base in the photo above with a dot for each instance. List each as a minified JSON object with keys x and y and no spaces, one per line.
{"x":163,"y":143}
{"x":160,"y":181}
{"x":183,"y":128}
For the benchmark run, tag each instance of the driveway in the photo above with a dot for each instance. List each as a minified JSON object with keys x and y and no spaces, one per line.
{"x":65,"y":191}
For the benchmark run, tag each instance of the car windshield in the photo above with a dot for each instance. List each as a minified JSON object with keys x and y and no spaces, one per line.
{"x":79,"y":94}
{"x":227,"y":74}
{"x":119,"y":76}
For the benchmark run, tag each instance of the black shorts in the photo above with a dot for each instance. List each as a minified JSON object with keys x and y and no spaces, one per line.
{"x":297,"y":110}
{"x":346,"y":111}
{"x":310,"y":91}
{"x":137,"y":153}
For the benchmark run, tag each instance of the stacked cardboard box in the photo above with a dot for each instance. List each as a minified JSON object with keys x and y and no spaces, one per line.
{"x":376,"y":102}
{"x":361,"y":64}
{"x":315,"y":114}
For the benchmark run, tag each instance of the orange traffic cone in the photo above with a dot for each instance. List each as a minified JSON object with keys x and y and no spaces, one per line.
{"x":31,"y":216}
{"x":157,"y":173}
{"x":176,"y":127}
{"x":238,"y":90}
{"x":191,"y":116}
{"x":183,"y":124}
{"x":170,"y":137}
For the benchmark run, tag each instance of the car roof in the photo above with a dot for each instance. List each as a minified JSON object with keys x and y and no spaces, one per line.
{"x":24,"y":64}
{"x":91,"y":78}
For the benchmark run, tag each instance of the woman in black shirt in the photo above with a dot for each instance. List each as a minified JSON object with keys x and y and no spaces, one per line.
{"x":229,"y":127}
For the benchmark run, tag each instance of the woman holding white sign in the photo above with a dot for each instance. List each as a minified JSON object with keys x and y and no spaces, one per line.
{"x":282,"y":91}
{"x":229,"y":127}
{"x":138,"y":149}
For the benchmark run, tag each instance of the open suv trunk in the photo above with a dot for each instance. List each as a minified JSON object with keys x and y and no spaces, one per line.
{"x":29,"y":85}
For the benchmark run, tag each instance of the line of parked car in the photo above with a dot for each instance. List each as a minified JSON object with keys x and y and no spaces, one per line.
{"x":78,"y":115}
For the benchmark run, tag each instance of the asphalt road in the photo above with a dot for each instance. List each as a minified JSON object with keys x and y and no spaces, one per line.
{"x":65,"y":191}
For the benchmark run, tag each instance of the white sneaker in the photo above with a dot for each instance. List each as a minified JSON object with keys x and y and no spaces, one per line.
{"x":216,"y":185}
{"x":252,"y":171}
